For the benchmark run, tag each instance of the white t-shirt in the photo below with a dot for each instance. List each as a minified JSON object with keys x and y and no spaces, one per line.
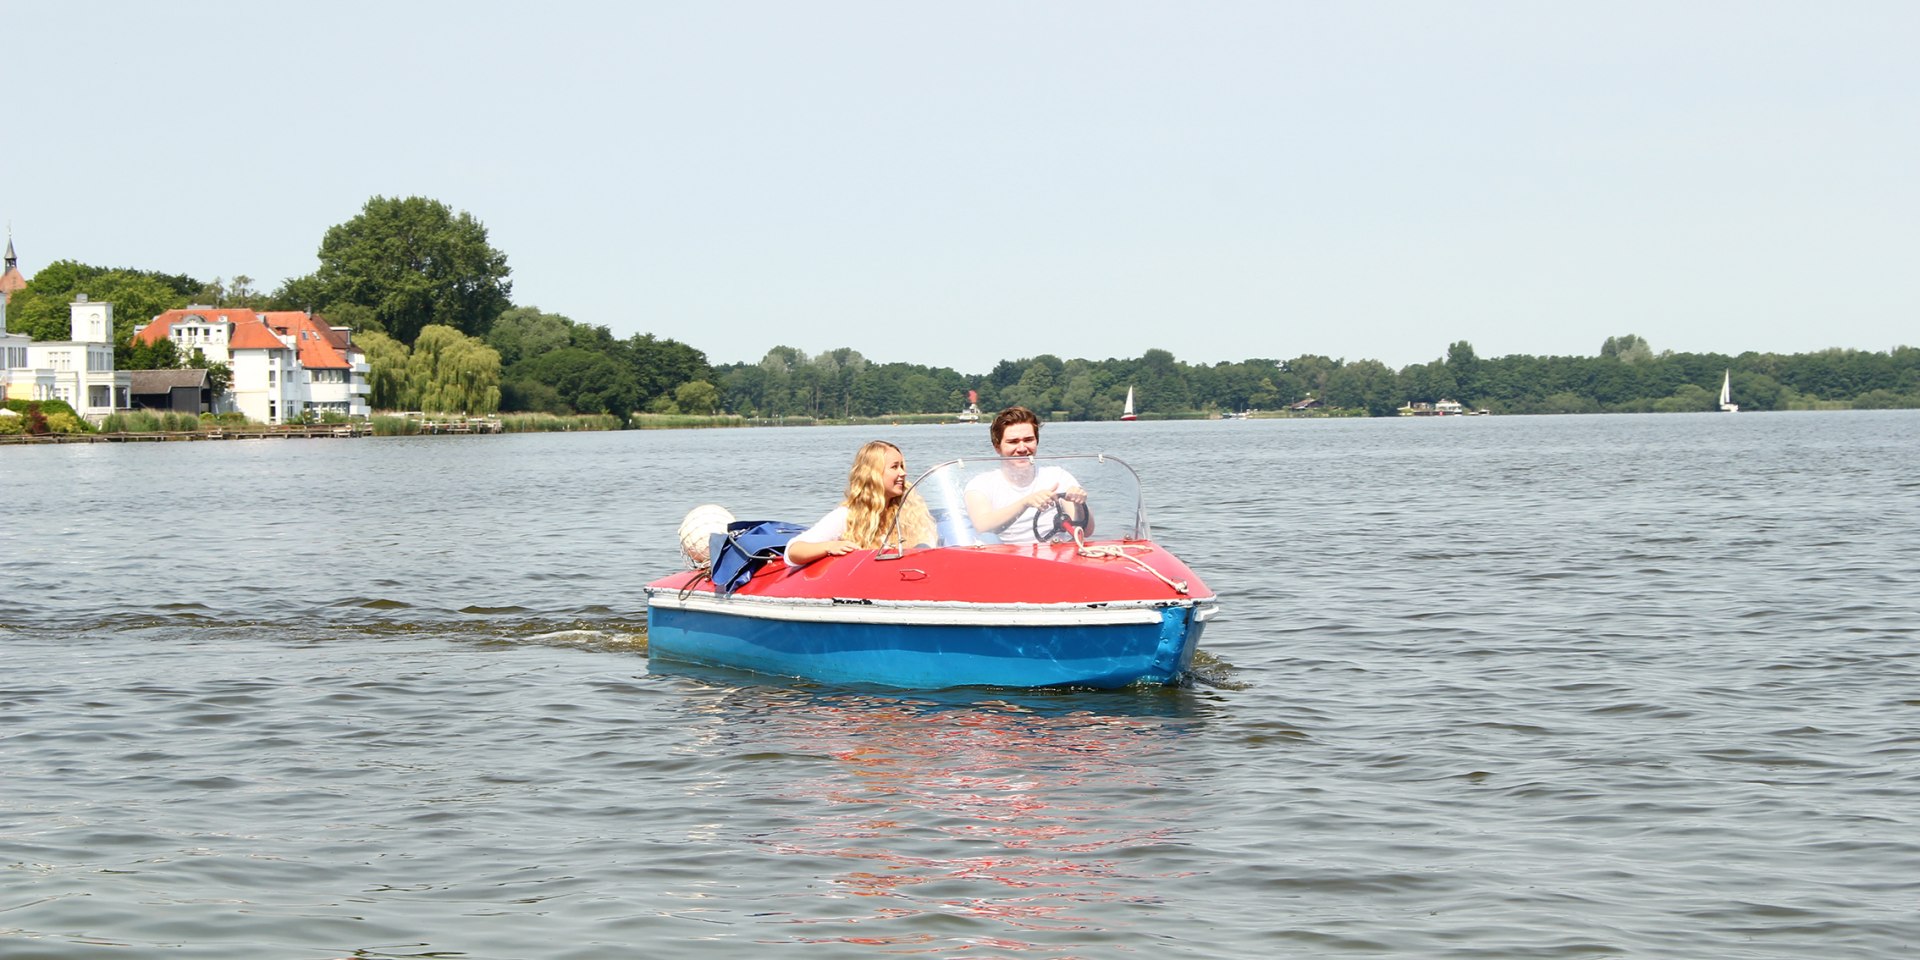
{"x":831,"y":527}
{"x":1000,"y":490}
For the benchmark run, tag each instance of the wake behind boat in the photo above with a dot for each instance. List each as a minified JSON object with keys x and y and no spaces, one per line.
{"x":1092,"y":603}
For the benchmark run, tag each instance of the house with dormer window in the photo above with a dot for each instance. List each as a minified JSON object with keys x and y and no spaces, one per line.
{"x":284,"y":363}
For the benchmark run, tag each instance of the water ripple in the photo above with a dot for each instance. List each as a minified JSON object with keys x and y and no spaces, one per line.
{"x":1505,"y":688}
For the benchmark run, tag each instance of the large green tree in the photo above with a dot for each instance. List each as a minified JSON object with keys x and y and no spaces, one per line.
{"x":161,"y":354}
{"x":1630,"y":348}
{"x":413,"y":263}
{"x":1161,"y":383}
{"x":41,"y":309}
{"x":661,"y":366}
{"x":697,"y":396}
{"x":523,"y":333}
{"x":1036,"y":389}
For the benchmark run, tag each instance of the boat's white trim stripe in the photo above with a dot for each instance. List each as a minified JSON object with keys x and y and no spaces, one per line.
{"x":922,"y":612}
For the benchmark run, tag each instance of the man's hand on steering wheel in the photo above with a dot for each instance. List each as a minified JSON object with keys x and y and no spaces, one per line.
{"x":1062,"y":527}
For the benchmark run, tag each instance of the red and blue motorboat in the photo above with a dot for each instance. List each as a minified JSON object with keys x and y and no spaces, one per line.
{"x":1086,"y":600}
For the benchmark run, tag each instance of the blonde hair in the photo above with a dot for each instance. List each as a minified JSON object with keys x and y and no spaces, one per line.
{"x":870,"y":514}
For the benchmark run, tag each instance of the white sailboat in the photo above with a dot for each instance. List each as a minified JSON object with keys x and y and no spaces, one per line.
{"x":1726,"y":394}
{"x":1127,"y":413}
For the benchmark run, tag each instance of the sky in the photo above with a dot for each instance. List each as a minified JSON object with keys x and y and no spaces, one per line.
{"x":959,"y":184}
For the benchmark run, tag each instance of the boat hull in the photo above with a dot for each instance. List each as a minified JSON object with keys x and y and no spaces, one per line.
{"x":930,"y":647}
{"x":945,"y":617}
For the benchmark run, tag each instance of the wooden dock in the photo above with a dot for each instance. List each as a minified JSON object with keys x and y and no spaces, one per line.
{"x":314,"y":431}
{"x":302,"y":432}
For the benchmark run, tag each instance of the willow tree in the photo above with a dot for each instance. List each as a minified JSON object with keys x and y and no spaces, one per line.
{"x":451,"y":372}
{"x":386,"y":372}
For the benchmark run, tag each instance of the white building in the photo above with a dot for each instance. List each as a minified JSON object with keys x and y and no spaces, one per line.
{"x":13,"y":363}
{"x":284,"y":363}
{"x":79,"y":371}
{"x":13,"y":346}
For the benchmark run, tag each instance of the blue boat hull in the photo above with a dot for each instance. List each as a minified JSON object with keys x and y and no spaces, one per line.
{"x":1035,"y":647}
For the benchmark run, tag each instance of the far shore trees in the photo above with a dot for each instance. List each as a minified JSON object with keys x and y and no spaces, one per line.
{"x":405,"y":266}
{"x":1626,"y":377}
{"x":552,"y":364}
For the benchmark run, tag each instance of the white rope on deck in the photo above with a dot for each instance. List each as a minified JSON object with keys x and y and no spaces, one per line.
{"x":1119,"y":550}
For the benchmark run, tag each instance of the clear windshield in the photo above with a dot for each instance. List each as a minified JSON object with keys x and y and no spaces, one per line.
{"x":1030,"y":500}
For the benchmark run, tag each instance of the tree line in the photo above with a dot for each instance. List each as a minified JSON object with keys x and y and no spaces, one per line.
{"x":1625,"y":377}
{"x":430,"y":302}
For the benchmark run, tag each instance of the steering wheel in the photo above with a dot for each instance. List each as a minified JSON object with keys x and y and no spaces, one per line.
{"x":1061,"y":529}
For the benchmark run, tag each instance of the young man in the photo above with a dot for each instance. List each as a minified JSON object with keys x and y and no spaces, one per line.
{"x":1011,"y":501}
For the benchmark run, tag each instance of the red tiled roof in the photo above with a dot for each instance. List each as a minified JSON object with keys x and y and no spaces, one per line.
{"x":12,"y":282}
{"x":315,"y":342}
{"x":251,"y":334}
{"x":157,"y":330}
{"x":320,"y":347}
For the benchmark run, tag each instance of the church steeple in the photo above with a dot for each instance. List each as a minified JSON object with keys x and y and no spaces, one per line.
{"x":11,"y":282}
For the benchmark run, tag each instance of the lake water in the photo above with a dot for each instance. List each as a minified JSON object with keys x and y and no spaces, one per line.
{"x":1626,"y":686}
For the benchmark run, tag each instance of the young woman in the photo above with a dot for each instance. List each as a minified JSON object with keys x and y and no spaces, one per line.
{"x":876,"y":498}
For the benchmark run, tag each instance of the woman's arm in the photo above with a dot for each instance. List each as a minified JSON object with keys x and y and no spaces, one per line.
{"x":826,"y":537}
{"x":802,"y":552}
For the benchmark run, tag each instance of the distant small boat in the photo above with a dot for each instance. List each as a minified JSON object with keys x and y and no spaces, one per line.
{"x":972,"y":412}
{"x":1726,"y":394}
{"x":1127,"y":412}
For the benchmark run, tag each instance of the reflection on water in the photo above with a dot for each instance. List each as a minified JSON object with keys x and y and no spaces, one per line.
{"x":1026,"y":815}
